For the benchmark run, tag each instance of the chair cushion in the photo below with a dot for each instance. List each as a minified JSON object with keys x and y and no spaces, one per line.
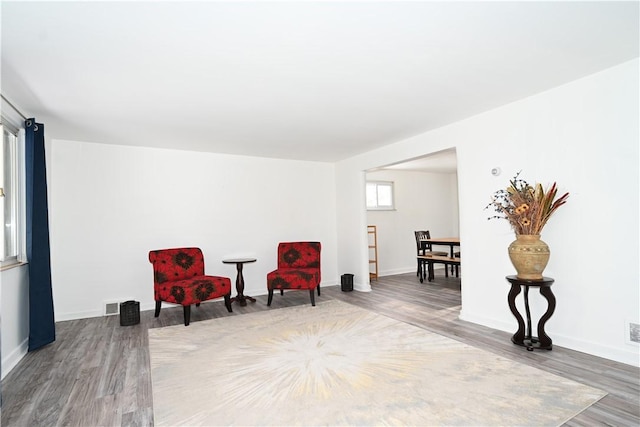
{"x":193,"y":290}
{"x":293,"y":278}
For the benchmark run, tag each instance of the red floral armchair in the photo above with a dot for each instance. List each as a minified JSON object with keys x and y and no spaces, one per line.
{"x":178,"y":278}
{"x":298,"y":268}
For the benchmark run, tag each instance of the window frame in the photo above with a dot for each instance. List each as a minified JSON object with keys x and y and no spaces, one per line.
{"x":377,"y":206}
{"x":14,"y":161}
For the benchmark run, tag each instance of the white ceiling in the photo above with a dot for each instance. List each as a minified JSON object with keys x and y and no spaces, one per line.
{"x":296,"y":80}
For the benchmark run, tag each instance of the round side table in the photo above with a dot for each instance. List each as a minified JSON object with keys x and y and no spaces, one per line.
{"x":241,"y":298}
{"x":542,"y":341}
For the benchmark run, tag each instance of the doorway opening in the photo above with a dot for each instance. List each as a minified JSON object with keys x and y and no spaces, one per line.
{"x":425,"y":197}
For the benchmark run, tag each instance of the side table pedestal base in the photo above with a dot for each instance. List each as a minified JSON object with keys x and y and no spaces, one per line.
{"x":523,"y":337}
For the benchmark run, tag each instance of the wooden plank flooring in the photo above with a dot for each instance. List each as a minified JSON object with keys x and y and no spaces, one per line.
{"x":97,"y":372}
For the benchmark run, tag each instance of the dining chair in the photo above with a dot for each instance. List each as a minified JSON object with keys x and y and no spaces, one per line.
{"x":424,"y":248}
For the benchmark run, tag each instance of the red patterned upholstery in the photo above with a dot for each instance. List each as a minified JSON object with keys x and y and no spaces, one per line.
{"x":178,"y":278}
{"x":298,"y":268}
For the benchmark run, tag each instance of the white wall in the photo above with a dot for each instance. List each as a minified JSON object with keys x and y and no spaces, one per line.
{"x":14,"y":306}
{"x":110,"y":205}
{"x":584,"y":135}
{"x":423,"y":201}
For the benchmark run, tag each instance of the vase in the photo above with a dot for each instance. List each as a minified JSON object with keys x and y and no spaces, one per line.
{"x":529,"y":255}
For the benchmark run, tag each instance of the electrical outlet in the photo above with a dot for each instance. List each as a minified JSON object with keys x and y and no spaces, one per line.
{"x":634,"y":332}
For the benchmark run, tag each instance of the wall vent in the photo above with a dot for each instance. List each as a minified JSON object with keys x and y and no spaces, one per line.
{"x":111,"y":308}
{"x":634,"y":332}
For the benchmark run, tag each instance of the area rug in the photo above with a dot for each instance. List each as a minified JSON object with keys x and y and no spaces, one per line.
{"x":337,"y":364}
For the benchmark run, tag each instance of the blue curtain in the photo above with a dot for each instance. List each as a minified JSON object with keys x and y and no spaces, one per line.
{"x":42,"y":329}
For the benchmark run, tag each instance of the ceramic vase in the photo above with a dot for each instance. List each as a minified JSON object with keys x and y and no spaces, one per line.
{"x":529,"y":255}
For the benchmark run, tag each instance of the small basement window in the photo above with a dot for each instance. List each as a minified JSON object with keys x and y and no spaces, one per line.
{"x":380,"y":196}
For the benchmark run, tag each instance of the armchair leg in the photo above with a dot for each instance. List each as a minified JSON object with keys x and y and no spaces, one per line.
{"x":227,"y":303}
{"x":313,"y":297}
{"x":270,"y":297}
{"x":281,"y":291}
{"x":318,"y":289}
{"x":158,"y":305}
{"x":187,"y":315}
{"x":197,"y":304}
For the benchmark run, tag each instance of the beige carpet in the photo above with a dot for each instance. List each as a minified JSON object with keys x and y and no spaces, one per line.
{"x":337,"y":364}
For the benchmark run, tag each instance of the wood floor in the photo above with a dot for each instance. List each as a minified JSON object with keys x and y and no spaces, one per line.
{"x":97,"y":372}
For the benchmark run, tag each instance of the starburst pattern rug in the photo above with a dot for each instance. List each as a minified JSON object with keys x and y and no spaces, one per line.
{"x":337,"y":364}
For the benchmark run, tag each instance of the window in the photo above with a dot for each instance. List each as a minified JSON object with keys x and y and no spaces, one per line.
{"x":10,"y":199}
{"x":380,"y":195}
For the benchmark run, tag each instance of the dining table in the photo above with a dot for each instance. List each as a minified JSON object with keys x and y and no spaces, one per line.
{"x":452,"y":242}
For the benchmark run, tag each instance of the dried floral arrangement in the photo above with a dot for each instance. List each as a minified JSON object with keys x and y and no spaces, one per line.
{"x":526,"y":207}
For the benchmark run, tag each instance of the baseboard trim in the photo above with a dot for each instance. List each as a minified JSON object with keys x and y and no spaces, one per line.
{"x":13,"y":358}
{"x":630,"y":357}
